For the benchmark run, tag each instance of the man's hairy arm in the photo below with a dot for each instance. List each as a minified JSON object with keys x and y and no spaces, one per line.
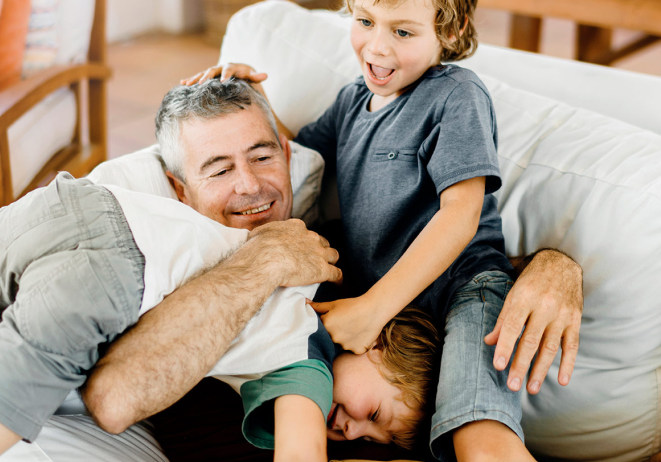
{"x":176,"y":343}
{"x":547,"y":298}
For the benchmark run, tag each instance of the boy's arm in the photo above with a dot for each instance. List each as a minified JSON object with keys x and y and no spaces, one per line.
{"x":300,"y":430}
{"x":356,"y":323}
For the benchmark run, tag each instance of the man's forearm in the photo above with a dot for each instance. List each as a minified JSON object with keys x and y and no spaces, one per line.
{"x":176,"y":343}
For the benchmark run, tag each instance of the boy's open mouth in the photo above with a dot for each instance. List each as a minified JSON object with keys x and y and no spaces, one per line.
{"x":380,"y":75}
{"x":331,"y":417}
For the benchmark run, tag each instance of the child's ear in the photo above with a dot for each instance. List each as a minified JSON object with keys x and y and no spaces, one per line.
{"x":463,"y":28}
{"x":461,"y":31}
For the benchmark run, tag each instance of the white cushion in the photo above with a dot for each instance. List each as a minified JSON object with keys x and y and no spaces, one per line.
{"x":572,"y":179}
{"x":623,"y":95}
{"x":74,"y":29}
{"x":38,"y":134}
{"x":143,"y":171}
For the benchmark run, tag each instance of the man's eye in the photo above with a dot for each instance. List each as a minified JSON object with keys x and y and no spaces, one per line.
{"x":402,"y":33}
{"x":365,"y":22}
{"x":221,"y":173}
{"x":263,"y":158}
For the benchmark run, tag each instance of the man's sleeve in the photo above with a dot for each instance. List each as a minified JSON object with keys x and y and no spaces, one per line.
{"x":310,"y":378}
{"x":464,"y":142}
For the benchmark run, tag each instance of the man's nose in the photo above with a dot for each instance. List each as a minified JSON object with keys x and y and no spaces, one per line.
{"x":378,"y":44}
{"x":247,"y":182}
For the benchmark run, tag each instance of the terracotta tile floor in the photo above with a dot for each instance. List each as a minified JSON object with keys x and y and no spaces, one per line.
{"x":147,"y":67}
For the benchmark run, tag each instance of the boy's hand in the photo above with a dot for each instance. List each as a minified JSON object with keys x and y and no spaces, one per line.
{"x":351,"y":323}
{"x":240,"y":71}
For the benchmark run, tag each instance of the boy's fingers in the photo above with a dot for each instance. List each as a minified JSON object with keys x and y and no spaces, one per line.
{"x":319,"y":307}
{"x":258,"y":77}
{"x":192,"y":80}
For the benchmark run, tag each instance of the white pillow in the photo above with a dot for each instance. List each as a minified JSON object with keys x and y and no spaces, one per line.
{"x":572,"y":179}
{"x":307,"y":56}
{"x":143,"y":171}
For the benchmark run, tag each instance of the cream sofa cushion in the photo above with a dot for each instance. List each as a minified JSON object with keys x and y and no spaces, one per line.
{"x":572,"y":179}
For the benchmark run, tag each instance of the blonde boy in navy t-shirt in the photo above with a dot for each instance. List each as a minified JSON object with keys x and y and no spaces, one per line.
{"x":414,"y":144}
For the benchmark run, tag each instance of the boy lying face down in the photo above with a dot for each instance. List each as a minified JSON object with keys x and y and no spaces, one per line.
{"x":81,"y":262}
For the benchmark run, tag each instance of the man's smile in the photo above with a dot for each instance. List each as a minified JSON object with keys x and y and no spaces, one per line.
{"x":253,"y":211}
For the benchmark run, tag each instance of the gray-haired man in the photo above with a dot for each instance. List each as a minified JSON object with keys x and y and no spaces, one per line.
{"x":223,"y":173}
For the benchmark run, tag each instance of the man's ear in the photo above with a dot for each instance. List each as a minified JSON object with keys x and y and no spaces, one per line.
{"x":286,"y":148}
{"x":179,"y":188}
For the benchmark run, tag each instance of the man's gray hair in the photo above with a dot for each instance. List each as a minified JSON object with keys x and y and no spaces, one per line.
{"x":203,"y":102}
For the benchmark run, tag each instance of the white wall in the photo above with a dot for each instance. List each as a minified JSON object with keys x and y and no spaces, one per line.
{"x":128,"y":18}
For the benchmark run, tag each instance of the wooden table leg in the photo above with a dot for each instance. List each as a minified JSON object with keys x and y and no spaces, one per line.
{"x":593,"y":44}
{"x":525,"y":33}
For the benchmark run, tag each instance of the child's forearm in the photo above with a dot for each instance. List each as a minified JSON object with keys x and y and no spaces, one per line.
{"x":431,"y":253}
{"x":300,"y":430}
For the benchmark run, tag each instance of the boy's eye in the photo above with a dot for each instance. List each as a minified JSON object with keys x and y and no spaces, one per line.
{"x":374,"y":416}
{"x":365,"y":22}
{"x":402,"y":33}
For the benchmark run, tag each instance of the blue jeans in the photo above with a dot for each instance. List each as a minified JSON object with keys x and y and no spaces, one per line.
{"x":470,"y":388}
{"x":71,"y":279}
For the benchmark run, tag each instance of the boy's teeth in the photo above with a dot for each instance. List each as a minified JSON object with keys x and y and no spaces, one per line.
{"x":257,"y":210}
{"x":380,"y":72}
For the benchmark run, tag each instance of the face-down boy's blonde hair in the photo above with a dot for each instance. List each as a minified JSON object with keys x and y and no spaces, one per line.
{"x":410,"y":360}
{"x":454,"y":18}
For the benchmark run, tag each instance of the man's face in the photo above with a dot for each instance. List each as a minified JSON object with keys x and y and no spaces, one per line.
{"x":236,"y":171}
{"x":365,"y":405}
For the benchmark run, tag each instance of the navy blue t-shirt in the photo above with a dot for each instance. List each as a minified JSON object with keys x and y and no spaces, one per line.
{"x":393,"y":164}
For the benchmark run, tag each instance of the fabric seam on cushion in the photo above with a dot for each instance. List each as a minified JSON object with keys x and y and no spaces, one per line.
{"x":656,"y":445}
{"x":600,"y":180}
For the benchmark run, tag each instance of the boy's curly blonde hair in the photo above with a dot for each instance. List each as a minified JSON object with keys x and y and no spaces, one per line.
{"x":454,"y":18}
{"x":410,"y":360}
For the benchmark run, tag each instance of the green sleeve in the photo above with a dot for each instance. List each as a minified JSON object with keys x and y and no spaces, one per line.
{"x":309,"y":378}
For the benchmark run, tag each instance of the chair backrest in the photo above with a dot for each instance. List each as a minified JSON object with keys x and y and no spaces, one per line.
{"x":15,"y":101}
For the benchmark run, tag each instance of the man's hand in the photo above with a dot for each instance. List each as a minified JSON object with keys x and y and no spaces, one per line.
{"x":351,"y":323}
{"x":298,"y":256}
{"x":548,"y":299}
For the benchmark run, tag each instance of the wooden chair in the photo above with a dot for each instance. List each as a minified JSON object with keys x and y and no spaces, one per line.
{"x":76,"y":158}
{"x":595,"y":20}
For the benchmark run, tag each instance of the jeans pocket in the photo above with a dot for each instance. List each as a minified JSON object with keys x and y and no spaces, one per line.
{"x":32,"y":210}
{"x":63,"y":307}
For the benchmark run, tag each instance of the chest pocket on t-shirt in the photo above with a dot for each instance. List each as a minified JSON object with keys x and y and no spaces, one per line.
{"x":395,"y":172}
{"x":394,"y":155}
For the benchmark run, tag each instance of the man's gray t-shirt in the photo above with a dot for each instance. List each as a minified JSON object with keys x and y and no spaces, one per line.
{"x":393,"y":164}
